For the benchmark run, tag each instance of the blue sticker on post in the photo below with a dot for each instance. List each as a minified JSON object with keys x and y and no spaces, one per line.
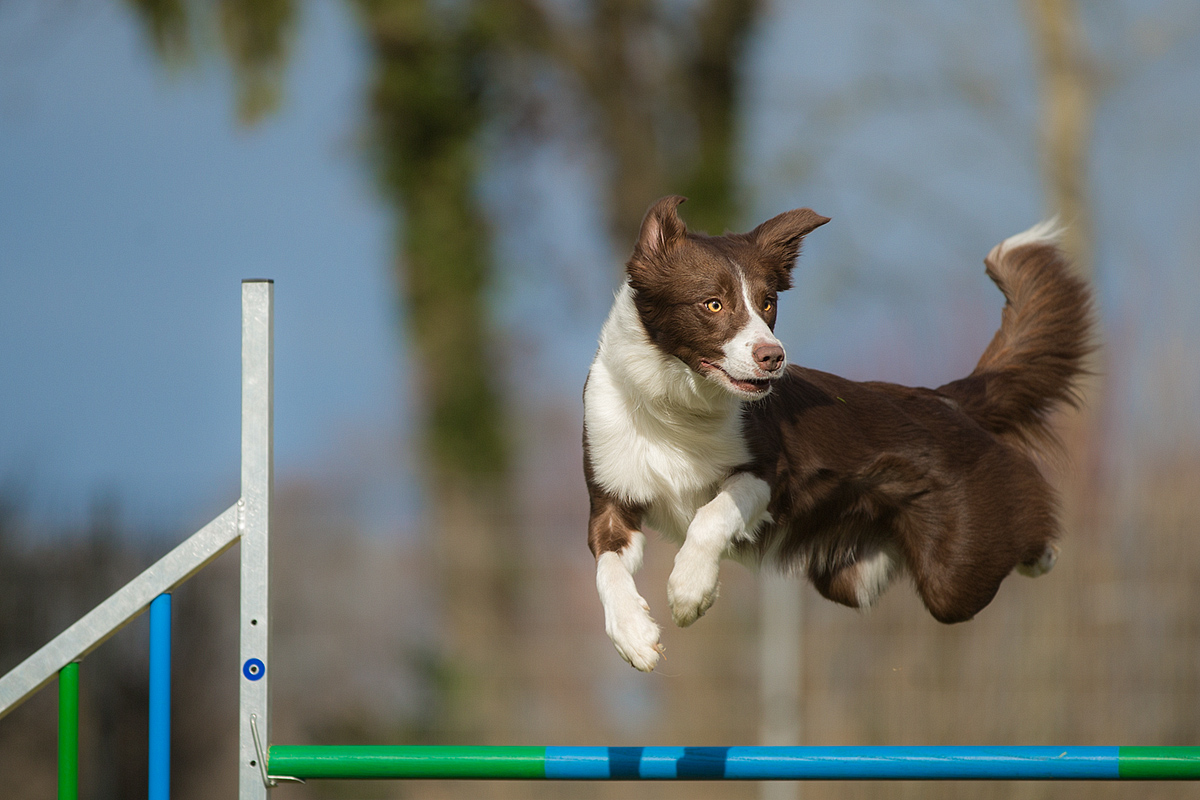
{"x":253,"y":669}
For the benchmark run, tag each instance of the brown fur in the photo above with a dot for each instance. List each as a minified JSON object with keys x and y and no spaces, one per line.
{"x":1030,"y":366}
{"x":611,"y":522}
{"x":944,"y":481}
{"x":855,"y":467}
{"x":943,"y":476}
{"x":674,"y":272}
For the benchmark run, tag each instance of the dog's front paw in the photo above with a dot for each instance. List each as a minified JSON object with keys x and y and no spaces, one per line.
{"x":634,"y":633}
{"x":692,"y":587}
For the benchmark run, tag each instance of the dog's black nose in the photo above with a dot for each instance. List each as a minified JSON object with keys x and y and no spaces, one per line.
{"x":768,"y":357}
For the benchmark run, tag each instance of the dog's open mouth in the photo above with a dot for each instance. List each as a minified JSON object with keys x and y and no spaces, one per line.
{"x":752,"y":386}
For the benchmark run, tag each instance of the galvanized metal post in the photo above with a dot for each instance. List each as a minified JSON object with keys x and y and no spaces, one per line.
{"x":255,"y":521}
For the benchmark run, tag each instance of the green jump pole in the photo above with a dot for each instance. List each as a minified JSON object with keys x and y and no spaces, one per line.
{"x":68,"y":732}
{"x":422,"y":761}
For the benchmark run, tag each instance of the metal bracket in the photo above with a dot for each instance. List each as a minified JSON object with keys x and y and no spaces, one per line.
{"x":269,"y":781}
{"x":262,"y":757}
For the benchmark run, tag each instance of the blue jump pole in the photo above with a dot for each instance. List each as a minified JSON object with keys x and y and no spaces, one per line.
{"x":160,"y":698}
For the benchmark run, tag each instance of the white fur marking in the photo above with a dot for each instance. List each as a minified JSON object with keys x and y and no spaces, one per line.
{"x":633,"y":553}
{"x":626,"y":613}
{"x":664,"y":436}
{"x":739,"y":351}
{"x":735,"y":513}
{"x":1043,"y":565}
{"x":1045,"y":232}
{"x":873,"y":573}
{"x":659,"y":433}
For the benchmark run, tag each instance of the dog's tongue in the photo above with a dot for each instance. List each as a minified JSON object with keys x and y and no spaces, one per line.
{"x":750,"y":386}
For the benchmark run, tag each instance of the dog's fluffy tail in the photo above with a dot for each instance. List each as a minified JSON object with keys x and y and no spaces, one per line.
{"x":1034,"y":361}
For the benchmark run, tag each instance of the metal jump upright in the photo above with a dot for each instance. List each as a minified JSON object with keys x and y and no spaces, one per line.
{"x":254,"y":521}
{"x":248,"y":521}
{"x":262,"y":766}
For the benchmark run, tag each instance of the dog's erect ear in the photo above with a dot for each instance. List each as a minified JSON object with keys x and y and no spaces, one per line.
{"x":662,"y":229}
{"x":779,"y":237}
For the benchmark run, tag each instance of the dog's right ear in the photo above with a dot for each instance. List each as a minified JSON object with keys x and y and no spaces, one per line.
{"x":662,"y":231}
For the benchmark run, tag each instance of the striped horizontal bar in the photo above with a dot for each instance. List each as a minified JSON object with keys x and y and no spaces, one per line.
{"x":738,"y":763}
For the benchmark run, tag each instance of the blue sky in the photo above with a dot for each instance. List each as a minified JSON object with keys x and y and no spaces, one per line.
{"x":131,"y":207}
{"x":132,"y":204}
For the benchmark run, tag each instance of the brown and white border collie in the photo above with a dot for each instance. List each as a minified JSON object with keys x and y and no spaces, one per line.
{"x":696,"y":425}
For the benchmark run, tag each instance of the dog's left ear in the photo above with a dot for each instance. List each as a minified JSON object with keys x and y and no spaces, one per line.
{"x":779,"y":237}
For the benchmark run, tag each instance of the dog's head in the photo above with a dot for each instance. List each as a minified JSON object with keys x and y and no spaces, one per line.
{"x":711,"y":300}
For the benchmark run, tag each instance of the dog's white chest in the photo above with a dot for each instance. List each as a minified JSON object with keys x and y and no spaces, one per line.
{"x":672,"y":461}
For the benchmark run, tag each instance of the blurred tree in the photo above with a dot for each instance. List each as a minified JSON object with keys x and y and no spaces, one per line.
{"x":429,"y":84}
{"x":660,"y":80}
{"x":439,"y":72}
{"x":428,"y":87}
{"x":254,"y":33}
{"x":1067,"y":85}
{"x":166,"y":23}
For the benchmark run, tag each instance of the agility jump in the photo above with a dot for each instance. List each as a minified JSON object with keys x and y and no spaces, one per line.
{"x":263,"y":765}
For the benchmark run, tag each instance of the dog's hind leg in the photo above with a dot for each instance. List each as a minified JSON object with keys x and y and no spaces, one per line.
{"x":737,"y":510}
{"x":1043,"y":564}
{"x":860,"y":581}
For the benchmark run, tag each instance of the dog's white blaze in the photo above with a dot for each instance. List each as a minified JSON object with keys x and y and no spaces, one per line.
{"x":739,"y":351}
{"x":627,"y":617}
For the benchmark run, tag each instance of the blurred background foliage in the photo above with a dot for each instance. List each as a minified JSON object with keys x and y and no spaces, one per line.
{"x":487,"y":630}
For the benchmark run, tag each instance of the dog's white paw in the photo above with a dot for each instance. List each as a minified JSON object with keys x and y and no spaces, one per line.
{"x":626,"y":614}
{"x":1043,"y":565}
{"x":634,"y":633}
{"x":692,"y":587}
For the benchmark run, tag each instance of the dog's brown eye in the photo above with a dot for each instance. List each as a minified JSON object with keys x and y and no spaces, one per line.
{"x":713,"y":305}
{"x":768,"y":304}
